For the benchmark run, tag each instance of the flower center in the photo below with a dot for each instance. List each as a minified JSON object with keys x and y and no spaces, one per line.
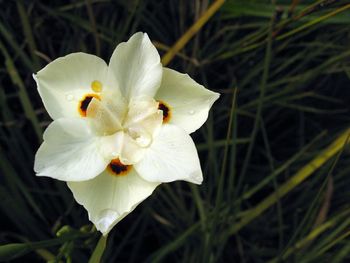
{"x":129,"y":127}
{"x":141,"y":137}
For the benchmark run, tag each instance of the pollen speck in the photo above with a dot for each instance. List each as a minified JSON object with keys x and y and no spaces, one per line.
{"x":96,"y":86}
{"x":116,"y":168}
{"x":166,"y":111}
{"x":84,"y":103}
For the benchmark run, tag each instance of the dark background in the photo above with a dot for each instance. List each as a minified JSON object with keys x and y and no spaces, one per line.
{"x":290,"y":70}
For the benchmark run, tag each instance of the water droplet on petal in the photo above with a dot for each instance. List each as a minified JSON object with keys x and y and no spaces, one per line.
{"x":132,"y":133}
{"x":191,"y":112}
{"x":125,"y":160}
{"x":142,"y":138}
{"x":144,"y":141}
{"x":113,"y":155}
{"x":69,"y":97}
{"x":105,"y":219}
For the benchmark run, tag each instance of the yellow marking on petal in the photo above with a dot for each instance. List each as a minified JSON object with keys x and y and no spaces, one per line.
{"x":116,"y":168}
{"x":84,"y":103}
{"x":96,"y":86}
{"x":166,"y":111}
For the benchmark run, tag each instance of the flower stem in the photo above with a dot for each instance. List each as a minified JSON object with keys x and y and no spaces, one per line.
{"x":98,"y":252}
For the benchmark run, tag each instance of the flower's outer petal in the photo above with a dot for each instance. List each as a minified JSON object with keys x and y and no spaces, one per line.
{"x":109,"y":198}
{"x":65,"y":81}
{"x":189,"y":101}
{"x":70,"y":151}
{"x":172,"y":156}
{"x":136,"y":67}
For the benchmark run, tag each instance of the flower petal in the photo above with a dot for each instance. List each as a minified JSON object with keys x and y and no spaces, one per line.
{"x":70,"y":151}
{"x":172,"y":156}
{"x":131,"y":152}
{"x":65,"y":81}
{"x":108,"y":199}
{"x":136,"y":67}
{"x":106,"y":115}
{"x":189,"y":101}
{"x":139,"y":109}
{"x":143,"y":121}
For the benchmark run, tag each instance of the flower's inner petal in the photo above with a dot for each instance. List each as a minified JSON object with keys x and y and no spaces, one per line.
{"x":111,"y":145}
{"x":131,"y":151}
{"x":141,"y":125}
{"x":144,"y":131}
{"x":106,"y":115}
{"x":140,"y":109}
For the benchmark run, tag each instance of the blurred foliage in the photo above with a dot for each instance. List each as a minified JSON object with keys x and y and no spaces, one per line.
{"x":283,"y":69}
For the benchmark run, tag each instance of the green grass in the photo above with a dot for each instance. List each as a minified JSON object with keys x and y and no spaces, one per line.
{"x":273,"y":152}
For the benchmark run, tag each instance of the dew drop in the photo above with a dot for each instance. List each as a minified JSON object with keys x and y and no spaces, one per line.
{"x":124,"y":160}
{"x":69,"y":97}
{"x":144,"y":141}
{"x":105,"y":219}
{"x":191,"y":112}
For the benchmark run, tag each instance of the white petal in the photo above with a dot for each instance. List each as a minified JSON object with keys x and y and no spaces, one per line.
{"x":172,"y":156}
{"x":108,"y":198}
{"x":136,"y":67}
{"x":70,"y":151}
{"x":144,"y":131}
{"x":131,"y":151}
{"x":121,"y":145}
{"x":111,"y":146}
{"x":189,"y":101}
{"x":65,"y":81}
{"x":139,"y":109}
{"x":143,"y":120}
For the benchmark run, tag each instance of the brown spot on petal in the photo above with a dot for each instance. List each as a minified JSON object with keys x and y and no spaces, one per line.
{"x":166,"y":111}
{"x":116,"y":168}
{"x":84,"y":103}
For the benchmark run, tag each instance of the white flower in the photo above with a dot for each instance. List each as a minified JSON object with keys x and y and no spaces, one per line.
{"x":121,"y":129}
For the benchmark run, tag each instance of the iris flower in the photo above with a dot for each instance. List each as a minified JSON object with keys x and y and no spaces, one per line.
{"x":119,"y":130}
